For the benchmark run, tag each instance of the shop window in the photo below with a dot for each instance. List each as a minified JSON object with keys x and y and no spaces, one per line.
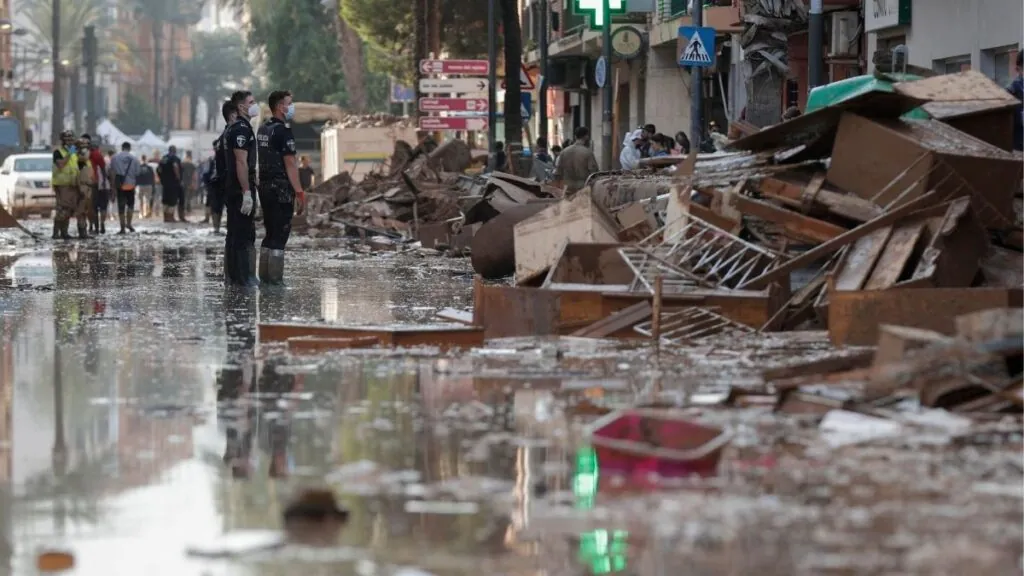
{"x":953,"y":65}
{"x":998,"y":64}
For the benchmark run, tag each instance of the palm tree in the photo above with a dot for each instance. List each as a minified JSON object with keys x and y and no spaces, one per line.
{"x":161,"y":13}
{"x":767,"y":24}
{"x":218,"y":59}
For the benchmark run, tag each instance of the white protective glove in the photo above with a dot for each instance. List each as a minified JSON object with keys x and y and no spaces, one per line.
{"x":247,"y":203}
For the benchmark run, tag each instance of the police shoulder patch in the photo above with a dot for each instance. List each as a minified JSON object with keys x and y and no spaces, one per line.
{"x":291,"y":145}
{"x":240,"y":140}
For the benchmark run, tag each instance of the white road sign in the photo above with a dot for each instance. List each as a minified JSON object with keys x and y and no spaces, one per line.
{"x":447,"y":86}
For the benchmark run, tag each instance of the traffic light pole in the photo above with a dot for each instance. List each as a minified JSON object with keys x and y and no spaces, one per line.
{"x":492,"y":75}
{"x":697,"y":87}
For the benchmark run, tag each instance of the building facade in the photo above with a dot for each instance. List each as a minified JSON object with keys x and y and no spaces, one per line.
{"x":948,"y":35}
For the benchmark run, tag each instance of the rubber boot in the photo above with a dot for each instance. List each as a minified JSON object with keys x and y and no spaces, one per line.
{"x":216,"y":223}
{"x":83,"y":232}
{"x":264,"y":273}
{"x":181,"y":214}
{"x":64,"y":225}
{"x":56,"y":229}
{"x":275,"y":267}
{"x":251,"y":266}
{"x":128,"y":220}
{"x":169,"y":214}
{"x":120,"y":219}
{"x":206,"y":216}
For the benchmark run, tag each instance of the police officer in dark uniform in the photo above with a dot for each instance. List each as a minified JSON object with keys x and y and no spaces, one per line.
{"x":239,"y":196}
{"x":217,"y":180}
{"x":279,"y":185}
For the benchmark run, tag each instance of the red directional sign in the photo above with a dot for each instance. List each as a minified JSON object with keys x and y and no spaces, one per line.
{"x":476,"y":67}
{"x":453,"y":105}
{"x":455,"y":123}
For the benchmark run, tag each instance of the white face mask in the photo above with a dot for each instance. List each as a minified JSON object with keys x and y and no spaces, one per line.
{"x":290,"y":112}
{"x":254,"y":111}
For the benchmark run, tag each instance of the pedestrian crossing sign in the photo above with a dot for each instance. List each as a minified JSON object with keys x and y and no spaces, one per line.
{"x":698,"y":46}
{"x":595,"y":10}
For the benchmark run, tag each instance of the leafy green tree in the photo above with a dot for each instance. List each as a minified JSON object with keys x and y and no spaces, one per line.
{"x":388,"y":28}
{"x":137,"y":115}
{"x":299,"y":49}
{"x":218,"y":60}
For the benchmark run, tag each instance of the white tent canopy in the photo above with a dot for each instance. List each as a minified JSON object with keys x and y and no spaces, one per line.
{"x":112,"y":135}
{"x":150,"y":140}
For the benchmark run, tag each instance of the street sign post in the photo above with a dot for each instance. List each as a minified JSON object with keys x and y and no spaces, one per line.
{"x":453,"y":105}
{"x":525,"y":80}
{"x":453,"y":123}
{"x":700,"y":46}
{"x":450,"y":85}
{"x":469,"y":67}
{"x":525,"y":105}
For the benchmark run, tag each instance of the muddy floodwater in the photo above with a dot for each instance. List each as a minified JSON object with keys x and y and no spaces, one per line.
{"x":143,"y":419}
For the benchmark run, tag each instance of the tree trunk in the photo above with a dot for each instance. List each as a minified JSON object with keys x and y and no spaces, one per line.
{"x":158,"y":40}
{"x":419,"y":40}
{"x":76,"y":105}
{"x":764,"y":99}
{"x":193,"y":110}
{"x":513,"y":58}
{"x":350,"y":46}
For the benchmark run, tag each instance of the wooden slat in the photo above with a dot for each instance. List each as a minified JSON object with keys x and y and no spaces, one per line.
{"x":860,"y":260}
{"x":894,"y":258}
{"x":620,"y":320}
{"x":794,"y":224}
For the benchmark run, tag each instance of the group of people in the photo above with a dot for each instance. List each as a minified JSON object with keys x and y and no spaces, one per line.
{"x":85,"y":182}
{"x":647,"y":142}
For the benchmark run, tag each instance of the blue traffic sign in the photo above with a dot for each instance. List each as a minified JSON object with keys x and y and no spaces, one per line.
{"x":525,"y":105}
{"x":699,"y":50}
{"x":401,"y":94}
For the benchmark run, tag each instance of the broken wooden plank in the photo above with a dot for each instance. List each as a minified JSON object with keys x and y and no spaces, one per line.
{"x":959,"y":243}
{"x":856,"y":266}
{"x":442,"y":336}
{"x":316,"y":344}
{"x":845,"y":206}
{"x":814,"y":254}
{"x":507,"y":312}
{"x":896,"y":256}
{"x":895,"y":341}
{"x":621,"y":320}
{"x":819,"y":367}
{"x":453,"y":315}
{"x":794,"y":224}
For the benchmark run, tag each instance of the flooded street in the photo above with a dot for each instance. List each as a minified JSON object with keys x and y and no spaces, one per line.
{"x":144,"y":418}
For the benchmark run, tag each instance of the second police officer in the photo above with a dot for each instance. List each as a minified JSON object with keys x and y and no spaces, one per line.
{"x":279,"y":185}
{"x":217,"y":180}
{"x":239,"y":198}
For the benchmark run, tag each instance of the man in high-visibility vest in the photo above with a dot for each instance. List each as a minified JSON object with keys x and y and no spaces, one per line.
{"x":86,"y":186}
{"x":66,"y":167}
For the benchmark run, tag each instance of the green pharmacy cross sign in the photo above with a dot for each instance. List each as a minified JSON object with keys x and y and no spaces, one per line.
{"x":594,"y":9}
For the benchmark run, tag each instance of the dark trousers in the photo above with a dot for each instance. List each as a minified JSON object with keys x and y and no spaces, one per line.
{"x":171,"y":195}
{"x":277,"y":219}
{"x":240,"y":238}
{"x":125,"y":200}
{"x":277,"y":199}
{"x":215,"y":199}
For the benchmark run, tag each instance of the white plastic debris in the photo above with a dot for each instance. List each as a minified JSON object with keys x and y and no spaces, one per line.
{"x":842,"y":428}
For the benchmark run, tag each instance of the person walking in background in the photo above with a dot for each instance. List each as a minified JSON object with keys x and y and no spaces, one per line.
{"x":189,"y":179}
{"x":577,"y":162}
{"x":144,"y":180}
{"x":125,"y":168}
{"x":169,"y":172}
{"x":305,"y":173}
{"x":498,"y":160}
{"x":629,"y":156}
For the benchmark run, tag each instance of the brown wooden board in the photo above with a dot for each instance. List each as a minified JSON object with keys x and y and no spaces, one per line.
{"x":794,"y":225}
{"x":898,"y":251}
{"x":315,"y":344}
{"x":856,"y":266}
{"x":958,"y":244}
{"x":845,"y":206}
{"x":443,"y":337}
{"x":507,"y":312}
{"x":854,"y":317}
{"x":623,"y":319}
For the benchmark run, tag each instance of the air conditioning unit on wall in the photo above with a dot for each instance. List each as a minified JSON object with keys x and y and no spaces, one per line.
{"x":845,"y":34}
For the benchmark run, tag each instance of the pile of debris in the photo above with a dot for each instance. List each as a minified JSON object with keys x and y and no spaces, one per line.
{"x":379,"y":120}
